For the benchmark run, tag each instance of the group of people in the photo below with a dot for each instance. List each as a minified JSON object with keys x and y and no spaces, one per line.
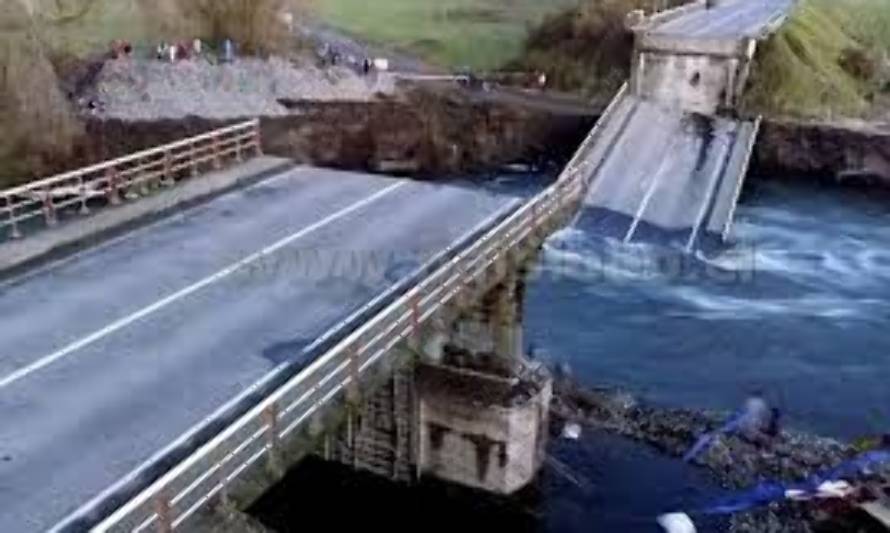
{"x":331,"y":56}
{"x":185,"y":50}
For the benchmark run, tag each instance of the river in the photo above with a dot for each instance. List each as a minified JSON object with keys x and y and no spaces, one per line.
{"x":796,"y":309}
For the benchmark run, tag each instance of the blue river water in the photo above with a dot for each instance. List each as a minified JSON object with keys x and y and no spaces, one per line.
{"x":796,"y":308}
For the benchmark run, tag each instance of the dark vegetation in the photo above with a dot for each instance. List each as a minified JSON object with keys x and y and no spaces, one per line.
{"x":256,"y":25}
{"x":35,"y":116}
{"x":585,"y":49}
{"x":41,"y":57}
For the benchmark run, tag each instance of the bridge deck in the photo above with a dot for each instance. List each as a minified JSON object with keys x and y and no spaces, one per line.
{"x":111,"y":355}
{"x":668,"y":174}
{"x":727,"y":19}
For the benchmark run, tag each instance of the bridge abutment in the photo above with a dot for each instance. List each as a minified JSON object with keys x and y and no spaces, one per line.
{"x":468,"y":408}
{"x":706,"y":76}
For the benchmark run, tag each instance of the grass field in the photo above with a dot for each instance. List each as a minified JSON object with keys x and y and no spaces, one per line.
{"x":868,"y":20}
{"x":481,"y":34}
{"x":800,"y":71}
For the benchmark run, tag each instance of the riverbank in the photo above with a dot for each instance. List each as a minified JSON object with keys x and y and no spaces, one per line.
{"x":847,"y":153}
{"x":734,"y":462}
{"x":436,"y":133}
{"x":621,"y":472}
{"x":424,"y":133}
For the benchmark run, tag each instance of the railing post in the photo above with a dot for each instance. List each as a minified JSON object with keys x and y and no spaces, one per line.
{"x":193,"y":160}
{"x":353,"y":391}
{"x":238,"y":156}
{"x":222,"y":495}
{"x":168,"y":168}
{"x":112,"y":192}
{"x":14,"y":231}
{"x":164,"y":513}
{"x":84,"y":208}
{"x":258,"y":138}
{"x":270,"y":418}
{"x":145,"y":185}
{"x":49,"y":208}
{"x":415,"y":317}
{"x":217,"y":155}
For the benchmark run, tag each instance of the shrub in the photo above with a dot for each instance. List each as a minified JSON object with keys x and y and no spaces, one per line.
{"x":256,"y":25}
{"x":38,"y":124}
{"x":587,"y":48}
{"x":857,"y":63}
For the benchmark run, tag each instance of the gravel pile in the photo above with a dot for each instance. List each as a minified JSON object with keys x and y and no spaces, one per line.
{"x":149,"y":90}
{"x":736,"y":463}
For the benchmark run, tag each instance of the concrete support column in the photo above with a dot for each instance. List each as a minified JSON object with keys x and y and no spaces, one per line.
{"x":506,"y":329}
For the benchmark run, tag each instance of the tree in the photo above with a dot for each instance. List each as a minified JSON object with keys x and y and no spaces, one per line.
{"x":35,"y":116}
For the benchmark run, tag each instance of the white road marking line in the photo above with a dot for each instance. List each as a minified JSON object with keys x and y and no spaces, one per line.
{"x":275,"y":372}
{"x":662,"y":167}
{"x":47,"y":360}
{"x":11,"y":282}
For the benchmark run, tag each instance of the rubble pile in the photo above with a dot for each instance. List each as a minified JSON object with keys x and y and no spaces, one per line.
{"x":147,"y":89}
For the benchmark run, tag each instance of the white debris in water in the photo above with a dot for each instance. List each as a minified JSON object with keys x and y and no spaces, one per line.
{"x":676,"y":523}
{"x":571,"y":431}
{"x":148,"y":89}
{"x":827,"y":490}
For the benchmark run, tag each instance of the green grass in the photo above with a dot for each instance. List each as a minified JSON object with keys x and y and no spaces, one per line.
{"x":866,"y":20}
{"x":482,"y":34}
{"x":798,"y":71}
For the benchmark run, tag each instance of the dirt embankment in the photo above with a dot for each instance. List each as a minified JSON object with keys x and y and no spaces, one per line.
{"x":856,"y":154}
{"x":424,"y":134}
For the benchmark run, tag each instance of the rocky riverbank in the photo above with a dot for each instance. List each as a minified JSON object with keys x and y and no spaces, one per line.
{"x":736,"y":463}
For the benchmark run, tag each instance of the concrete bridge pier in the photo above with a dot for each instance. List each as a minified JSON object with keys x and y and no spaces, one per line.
{"x":467,"y":407}
{"x":706,"y":76}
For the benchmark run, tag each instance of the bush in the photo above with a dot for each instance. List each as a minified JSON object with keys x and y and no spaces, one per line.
{"x":857,"y":63}
{"x":38,"y":124}
{"x":256,"y":25}
{"x":585,"y":49}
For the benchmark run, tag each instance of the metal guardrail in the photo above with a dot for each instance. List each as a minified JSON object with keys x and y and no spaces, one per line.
{"x":110,"y":182}
{"x":206,"y":474}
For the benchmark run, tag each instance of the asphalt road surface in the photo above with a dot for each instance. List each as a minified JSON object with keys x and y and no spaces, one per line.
{"x":110,"y":355}
{"x":727,"y":19}
{"x":669,"y":171}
